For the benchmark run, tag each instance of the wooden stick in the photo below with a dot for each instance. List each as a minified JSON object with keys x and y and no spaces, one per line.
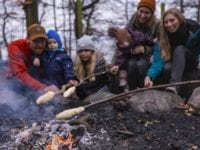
{"x":71,"y":90}
{"x":75,"y":111}
{"x":46,"y":97}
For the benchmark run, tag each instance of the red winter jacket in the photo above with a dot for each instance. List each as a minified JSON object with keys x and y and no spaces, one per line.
{"x":19,"y":56}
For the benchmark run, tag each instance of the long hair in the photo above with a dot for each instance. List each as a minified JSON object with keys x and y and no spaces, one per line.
{"x":164,"y":40}
{"x":151,"y":23}
{"x":85,"y":69}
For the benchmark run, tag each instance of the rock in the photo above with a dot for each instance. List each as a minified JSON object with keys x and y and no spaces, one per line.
{"x":97,"y":96}
{"x":153,"y":101}
{"x":186,"y":90}
{"x":195,"y":98}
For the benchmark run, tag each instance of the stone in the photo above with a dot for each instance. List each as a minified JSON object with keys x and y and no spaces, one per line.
{"x":153,"y":101}
{"x":194,"y":100}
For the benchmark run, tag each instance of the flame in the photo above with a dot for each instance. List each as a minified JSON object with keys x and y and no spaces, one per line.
{"x":58,"y":140}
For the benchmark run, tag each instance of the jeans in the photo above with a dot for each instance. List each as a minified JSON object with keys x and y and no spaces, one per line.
{"x":183,"y":60}
{"x":137,"y":68}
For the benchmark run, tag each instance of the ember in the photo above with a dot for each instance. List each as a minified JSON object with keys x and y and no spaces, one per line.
{"x":60,"y":142}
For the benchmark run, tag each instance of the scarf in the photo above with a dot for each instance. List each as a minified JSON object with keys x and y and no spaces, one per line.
{"x":179,"y":37}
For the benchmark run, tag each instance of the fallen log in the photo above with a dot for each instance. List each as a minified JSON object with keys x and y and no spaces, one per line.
{"x":66,"y":114}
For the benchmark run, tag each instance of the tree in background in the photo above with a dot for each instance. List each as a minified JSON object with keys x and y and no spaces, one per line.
{"x":78,"y":18}
{"x":31,"y":11}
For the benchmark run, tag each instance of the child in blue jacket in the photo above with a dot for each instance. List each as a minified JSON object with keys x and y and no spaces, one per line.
{"x":58,"y":66}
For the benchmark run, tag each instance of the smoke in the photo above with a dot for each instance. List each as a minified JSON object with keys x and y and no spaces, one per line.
{"x":14,"y":105}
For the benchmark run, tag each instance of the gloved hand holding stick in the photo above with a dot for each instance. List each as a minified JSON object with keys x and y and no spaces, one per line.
{"x":72,"y":89}
{"x":48,"y":96}
{"x":66,"y":114}
{"x":66,"y":93}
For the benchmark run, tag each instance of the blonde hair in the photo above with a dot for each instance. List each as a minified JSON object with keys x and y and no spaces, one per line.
{"x":164,"y":40}
{"x":82,"y":69}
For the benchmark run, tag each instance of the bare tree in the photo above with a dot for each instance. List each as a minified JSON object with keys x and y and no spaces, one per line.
{"x":70,"y":25}
{"x":31,"y":10}
{"x":78,"y":18}
{"x":54,"y":14}
{"x":64,"y":4}
{"x":198,"y":11}
{"x":5,"y":18}
{"x":181,"y":6}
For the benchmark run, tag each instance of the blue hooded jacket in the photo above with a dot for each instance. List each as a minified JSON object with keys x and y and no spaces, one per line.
{"x":57,"y":64}
{"x":52,"y":34}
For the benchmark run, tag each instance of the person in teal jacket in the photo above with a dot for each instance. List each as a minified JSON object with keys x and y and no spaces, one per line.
{"x":179,"y":49}
{"x":156,"y":68}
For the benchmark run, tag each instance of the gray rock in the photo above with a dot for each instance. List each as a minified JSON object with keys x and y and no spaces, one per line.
{"x":153,"y":101}
{"x":195,"y":98}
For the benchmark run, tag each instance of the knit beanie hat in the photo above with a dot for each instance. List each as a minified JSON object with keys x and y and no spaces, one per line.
{"x":52,"y":34}
{"x":86,"y":42}
{"x":151,"y":4}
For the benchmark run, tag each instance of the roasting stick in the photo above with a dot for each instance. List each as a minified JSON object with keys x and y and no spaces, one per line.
{"x":48,"y":96}
{"x":66,"y":114}
{"x":72,"y":89}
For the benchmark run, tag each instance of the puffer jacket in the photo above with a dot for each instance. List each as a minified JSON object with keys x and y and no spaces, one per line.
{"x":19,"y":58}
{"x":58,"y":67}
{"x":158,"y":63}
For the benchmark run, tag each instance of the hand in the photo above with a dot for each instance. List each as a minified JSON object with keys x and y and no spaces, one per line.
{"x":51,"y":88}
{"x":73,"y":82}
{"x":36,"y":62}
{"x":148,"y":82}
{"x":114,"y":70}
{"x":138,"y":50}
{"x":155,"y":40}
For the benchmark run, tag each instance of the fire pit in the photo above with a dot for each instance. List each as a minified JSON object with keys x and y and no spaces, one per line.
{"x":110,"y":126}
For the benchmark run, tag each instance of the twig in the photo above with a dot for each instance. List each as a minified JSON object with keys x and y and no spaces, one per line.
{"x":75,"y":111}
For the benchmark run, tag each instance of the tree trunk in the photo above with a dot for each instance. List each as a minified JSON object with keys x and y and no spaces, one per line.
{"x":162,"y":8}
{"x":181,"y":6}
{"x":54,"y":14}
{"x":78,"y":19}
{"x":31,"y":11}
{"x":198,"y":13}
{"x":70,"y":27}
{"x":4,"y":24}
{"x":64,"y":24}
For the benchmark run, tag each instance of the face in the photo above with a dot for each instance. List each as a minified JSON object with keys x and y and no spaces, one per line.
{"x":52,"y":44}
{"x":144,"y":14}
{"x":123,"y":38}
{"x":171,"y":23}
{"x":85,"y":54}
{"x":38,"y":45}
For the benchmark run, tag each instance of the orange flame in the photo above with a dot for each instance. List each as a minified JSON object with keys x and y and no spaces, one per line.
{"x":58,"y":140}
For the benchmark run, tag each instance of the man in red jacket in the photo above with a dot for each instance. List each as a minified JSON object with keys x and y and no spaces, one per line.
{"x":20,"y":53}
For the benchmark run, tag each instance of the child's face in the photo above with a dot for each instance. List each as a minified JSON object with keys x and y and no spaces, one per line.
{"x":85,"y":54}
{"x":52,"y":44}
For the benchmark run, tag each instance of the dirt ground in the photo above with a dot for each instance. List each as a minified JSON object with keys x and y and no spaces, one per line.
{"x":114,"y":126}
{"x":110,"y":126}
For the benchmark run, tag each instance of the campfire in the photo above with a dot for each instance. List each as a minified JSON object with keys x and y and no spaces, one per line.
{"x":60,"y":142}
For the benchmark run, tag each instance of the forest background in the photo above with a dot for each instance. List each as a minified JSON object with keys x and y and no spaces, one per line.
{"x":74,"y":18}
